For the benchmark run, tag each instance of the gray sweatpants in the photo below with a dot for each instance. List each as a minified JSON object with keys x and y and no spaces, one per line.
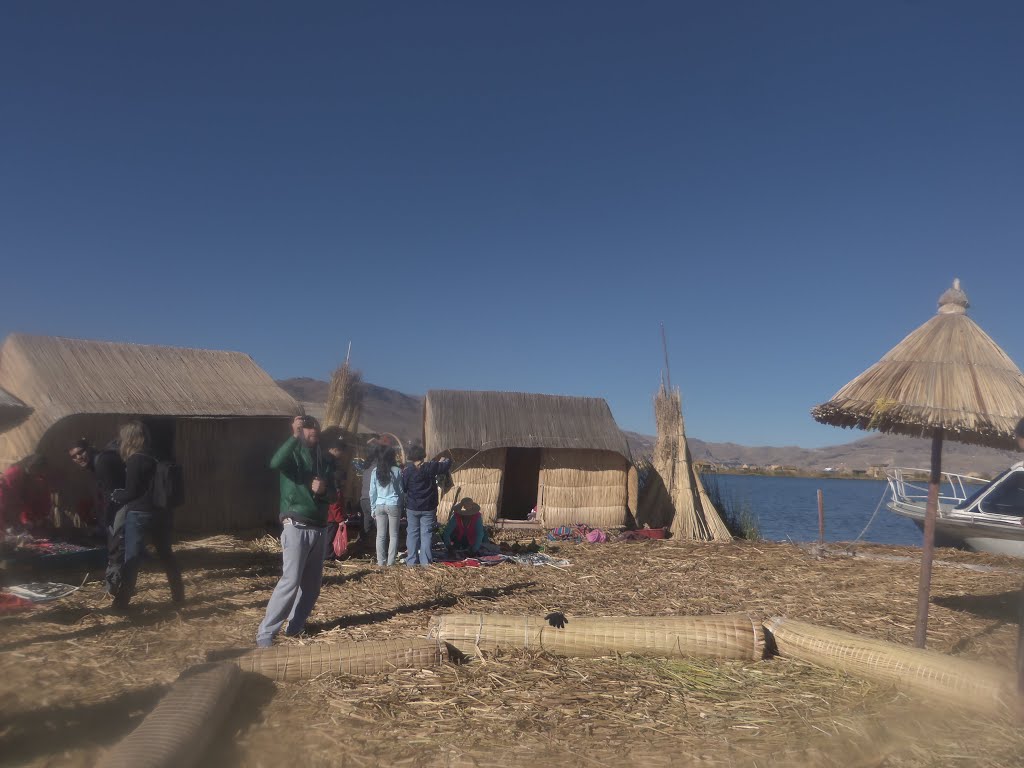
{"x":303,"y":549}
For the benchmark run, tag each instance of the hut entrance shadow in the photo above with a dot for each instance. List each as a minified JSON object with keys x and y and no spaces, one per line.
{"x":55,"y":729}
{"x":520,"y":483}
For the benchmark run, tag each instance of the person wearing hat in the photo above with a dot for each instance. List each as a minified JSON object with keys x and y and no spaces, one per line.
{"x":465,"y":528}
{"x":307,"y":489}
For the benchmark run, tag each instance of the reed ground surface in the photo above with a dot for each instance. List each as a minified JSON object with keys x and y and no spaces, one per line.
{"x":76,"y":676}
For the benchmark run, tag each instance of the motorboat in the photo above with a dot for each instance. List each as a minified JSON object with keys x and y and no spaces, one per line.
{"x":973,"y":513}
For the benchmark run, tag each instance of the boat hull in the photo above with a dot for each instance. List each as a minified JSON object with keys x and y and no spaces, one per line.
{"x":977,"y":536}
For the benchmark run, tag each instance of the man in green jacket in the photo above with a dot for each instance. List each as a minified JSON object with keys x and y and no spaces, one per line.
{"x":307,"y":488}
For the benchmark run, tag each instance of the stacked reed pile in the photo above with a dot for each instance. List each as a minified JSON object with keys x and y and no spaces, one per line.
{"x":913,"y":670}
{"x":303,"y":662}
{"x":694,"y":516}
{"x":731,"y":636}
{"x":345,"y":399}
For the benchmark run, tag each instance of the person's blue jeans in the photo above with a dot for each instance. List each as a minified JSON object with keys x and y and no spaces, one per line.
{"x":303,"y":548}
{"x":419,"y":536}
{"x":159,"y":526}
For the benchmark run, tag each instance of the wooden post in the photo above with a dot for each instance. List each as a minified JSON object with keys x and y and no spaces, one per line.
{"x":821,"y":517}
{"x":931,"y":512}
{"x":1020,"y":642}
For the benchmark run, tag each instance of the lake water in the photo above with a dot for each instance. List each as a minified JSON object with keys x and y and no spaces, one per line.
{"x":787,"y":508}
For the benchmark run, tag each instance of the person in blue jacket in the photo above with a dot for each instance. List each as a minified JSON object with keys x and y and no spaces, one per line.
{"x":419,"y":478}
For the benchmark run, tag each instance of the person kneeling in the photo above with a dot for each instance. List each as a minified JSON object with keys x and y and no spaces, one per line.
{"x":465,"y":528}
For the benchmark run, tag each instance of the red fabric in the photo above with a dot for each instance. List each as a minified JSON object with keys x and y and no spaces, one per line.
{"x":465,"y":527}
{"x":24,"y":499}
{"x":336,"y":512}
{"x":11,"y":603}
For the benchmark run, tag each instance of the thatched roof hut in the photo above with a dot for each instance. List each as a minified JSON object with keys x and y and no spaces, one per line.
{"x":514,"y":451}
{"x":12,"y":410}
{"x":217,"y":413}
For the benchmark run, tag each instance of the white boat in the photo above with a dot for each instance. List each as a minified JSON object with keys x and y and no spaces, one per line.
{"x":973,"y":513}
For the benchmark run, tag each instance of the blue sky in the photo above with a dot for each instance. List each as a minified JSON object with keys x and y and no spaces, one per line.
{"x":489,"y":195}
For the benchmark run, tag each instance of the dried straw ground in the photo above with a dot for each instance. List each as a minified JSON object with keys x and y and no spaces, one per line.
{"x":76,"y":677}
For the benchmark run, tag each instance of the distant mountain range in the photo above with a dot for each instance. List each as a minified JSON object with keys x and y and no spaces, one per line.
{"x":387,"y":410}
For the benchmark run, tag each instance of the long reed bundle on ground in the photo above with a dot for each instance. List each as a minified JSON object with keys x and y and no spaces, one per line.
{"x":733,"y":636}
{"x":513,"y":452}
{"x":303,"y":662}
{"x":175,"y":734}
{"x":914,"y":670}
{"x":344,"y":406}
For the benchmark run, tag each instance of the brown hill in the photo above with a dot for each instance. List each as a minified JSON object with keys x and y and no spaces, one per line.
{"x":387,"y":410}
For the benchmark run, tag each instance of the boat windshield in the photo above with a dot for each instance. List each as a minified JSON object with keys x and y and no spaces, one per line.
{"x":974,"y":496}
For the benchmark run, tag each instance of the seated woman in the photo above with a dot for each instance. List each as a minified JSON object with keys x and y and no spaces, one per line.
{"x":465,"y":528}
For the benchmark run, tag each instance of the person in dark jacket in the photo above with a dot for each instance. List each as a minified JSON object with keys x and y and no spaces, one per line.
{"x":419,"y":479}
{"x":368,"y":536}
{"x":142,"y":517}
{"x":307,"y":490}
{"x":107,"y":469}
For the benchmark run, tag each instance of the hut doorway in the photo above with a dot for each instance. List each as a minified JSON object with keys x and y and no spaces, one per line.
{"x":520,"y":483}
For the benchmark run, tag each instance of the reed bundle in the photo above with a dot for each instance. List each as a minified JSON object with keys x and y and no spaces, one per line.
{"x":345,"y":399}
{"x":731,"y":636}
{"x":302,"y":662}
{"x":175,"y":734}
{"x":693,"y":515}
{"x":914,"y":670}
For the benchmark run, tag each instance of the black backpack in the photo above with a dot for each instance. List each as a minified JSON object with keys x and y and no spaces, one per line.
{"x":168,"y":485}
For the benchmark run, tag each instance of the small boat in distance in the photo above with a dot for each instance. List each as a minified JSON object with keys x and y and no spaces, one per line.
{"x":973,"y":513}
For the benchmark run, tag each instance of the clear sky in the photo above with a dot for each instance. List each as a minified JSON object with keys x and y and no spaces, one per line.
{"x":514,"y":195}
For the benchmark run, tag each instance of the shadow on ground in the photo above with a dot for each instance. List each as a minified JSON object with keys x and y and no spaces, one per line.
{"x":55,"y":729}
{"x":1002,"y":606}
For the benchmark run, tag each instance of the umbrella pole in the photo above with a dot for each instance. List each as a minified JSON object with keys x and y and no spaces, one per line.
{"x":931,"y":512}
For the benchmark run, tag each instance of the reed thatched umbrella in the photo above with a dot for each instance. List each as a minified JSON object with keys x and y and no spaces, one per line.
{"x":12,"y":411}
{"x":947,"y":379}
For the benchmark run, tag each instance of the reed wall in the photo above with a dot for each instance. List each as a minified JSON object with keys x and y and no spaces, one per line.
{"x":480,"y":480}
{"x":583,"y":486}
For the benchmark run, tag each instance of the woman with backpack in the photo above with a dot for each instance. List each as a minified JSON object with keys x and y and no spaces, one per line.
{"x":386,"y":503}
{"x":142,"y":516}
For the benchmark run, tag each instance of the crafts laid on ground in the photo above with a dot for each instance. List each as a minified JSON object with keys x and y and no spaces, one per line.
{"x":40,"y":591}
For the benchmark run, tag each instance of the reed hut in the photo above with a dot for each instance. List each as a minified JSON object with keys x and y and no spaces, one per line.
{"x":946,"y":380}
{"x":513,"y":452}
{"x":218,"y":414}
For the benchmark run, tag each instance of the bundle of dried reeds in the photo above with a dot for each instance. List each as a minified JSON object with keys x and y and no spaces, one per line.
{"x":731,"y":636}
{"x":914,"y":670}
{"x":693,"y":515}
{"x":345,"y":399}
{"x":177,"y":732}
{"x":302,"y":662}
